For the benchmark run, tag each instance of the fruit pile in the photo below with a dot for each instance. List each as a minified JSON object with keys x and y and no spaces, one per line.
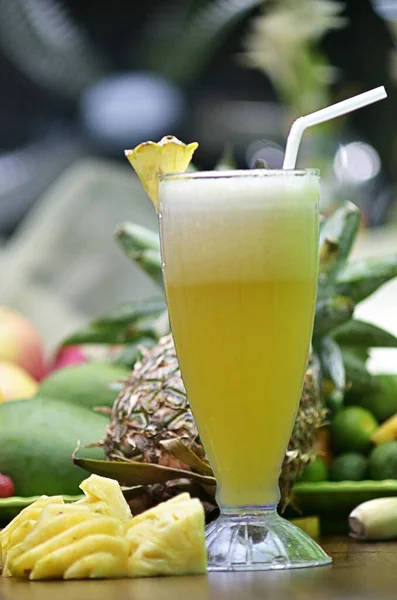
{"x":46,"y":408}
{"x":97,"y":537}
{"x":361,"y":441}
{"x":150,"y":441}
{"x":152,"y":427}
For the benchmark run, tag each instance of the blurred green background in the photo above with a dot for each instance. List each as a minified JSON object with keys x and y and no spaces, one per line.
{"x":81,"y":81}
{"x":81,"y":78}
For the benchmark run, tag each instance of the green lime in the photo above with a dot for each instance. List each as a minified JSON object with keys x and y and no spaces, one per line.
{"x":350,"y":466}
{"x":316,"y":471}
{"x":382,"y":462}
{"x":352,"y":428}
{"x":382,"y":403}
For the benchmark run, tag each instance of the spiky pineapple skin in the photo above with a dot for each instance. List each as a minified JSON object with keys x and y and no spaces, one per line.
{"x":153,"y":407}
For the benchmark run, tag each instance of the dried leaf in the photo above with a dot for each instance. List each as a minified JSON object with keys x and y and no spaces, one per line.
{"x":178,"y":449}
{"x":133,"y":473}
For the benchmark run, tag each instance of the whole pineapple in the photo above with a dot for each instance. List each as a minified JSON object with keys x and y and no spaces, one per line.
{"x":152,"y":430}
{"x":151,"y":417}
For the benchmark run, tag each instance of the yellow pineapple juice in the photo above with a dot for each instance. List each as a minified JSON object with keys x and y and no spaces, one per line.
{"x":240,"y":265}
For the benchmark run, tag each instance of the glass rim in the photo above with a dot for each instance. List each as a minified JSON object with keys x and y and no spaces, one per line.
{"x":237,"y":173}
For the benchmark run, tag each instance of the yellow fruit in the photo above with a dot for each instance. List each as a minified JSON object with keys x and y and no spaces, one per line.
{"x":63,"y":559}
{"x":322,"y":445}
{"x":16,"y":532}
{"x":99,"y":565}
{"x":310,"y":525}
{"x":387,"y":432}
{"x":20,"y":343}
{"x":15,"y":383}
{"x":168,"y":540}
{"x":151,"y":159}
{"x":104,"y":495}
{"x":52,"y":547}
{"x":97,"y":538}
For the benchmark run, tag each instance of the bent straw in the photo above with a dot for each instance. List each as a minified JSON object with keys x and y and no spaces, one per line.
{"x":326,"y":114}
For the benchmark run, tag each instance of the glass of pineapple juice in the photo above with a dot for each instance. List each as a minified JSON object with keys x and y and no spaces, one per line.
{"x":240,"y":257}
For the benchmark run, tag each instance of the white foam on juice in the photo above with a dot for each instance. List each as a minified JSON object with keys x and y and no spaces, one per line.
{"x":246,"y":228}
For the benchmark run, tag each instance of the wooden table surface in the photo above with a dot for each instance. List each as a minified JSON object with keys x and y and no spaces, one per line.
{"x":361,"y":571}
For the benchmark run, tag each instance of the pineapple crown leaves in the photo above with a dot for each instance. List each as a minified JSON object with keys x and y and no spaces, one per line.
{"x":128,"y":323}
{"x":340,"y":342}
{"x":341,"y":286}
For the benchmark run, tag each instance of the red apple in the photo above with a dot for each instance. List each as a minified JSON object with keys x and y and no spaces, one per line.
{"x":6,"y":486}
{"x":68,"y":356}
{"x":20,"y":343}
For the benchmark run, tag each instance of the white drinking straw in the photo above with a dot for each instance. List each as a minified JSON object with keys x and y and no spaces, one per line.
{"x":326,"y":114}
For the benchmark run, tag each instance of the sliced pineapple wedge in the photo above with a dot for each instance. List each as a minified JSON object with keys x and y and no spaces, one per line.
{"x":58,"y":541}
{"x":168,"y":539}
{"x":151,"y":159}
{"x":97,"y":538}
{"x":16,"y":531}
{"x":104,"y":496}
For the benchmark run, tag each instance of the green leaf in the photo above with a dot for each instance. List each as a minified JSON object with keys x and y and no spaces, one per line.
{"x":178,"y":449}
{"x":90,"y":335}
{"x":131,"y":312}
{"x":357,"y":374}
{"x":133,"y":473}
{"x":150,"y":262}
{"x":361,"y":278}
{"x":135,"y":238}
{"x":331,"y":312}
{"x":143,"y":247}
{"x":226,"y":161}
{"x":336,"y":240}
{"x":332,"y":362}
{"x":128,"y":323}
{"x":328,"y":259}
{"x":342,"y":227}
{"x":361,"y":352}
{"x":359,"y":333}
{"x":130,"y":353}
{"x":203,"y":32}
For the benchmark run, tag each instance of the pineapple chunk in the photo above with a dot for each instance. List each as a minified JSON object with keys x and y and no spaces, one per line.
{"x":99,"y":565}
{"x":97,"y":538}
{"x":47,"y":544}
{"x":16,"y":531}
{"x":387,"y":432}
{"x":168,"y":540}
{"x":68,"y":558}
{"x":151,"y":159}
{"x":104,"y":495}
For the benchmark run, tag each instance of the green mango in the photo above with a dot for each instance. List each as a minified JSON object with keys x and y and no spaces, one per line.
{"x":89,"y":385}
{"x":37,"y":440}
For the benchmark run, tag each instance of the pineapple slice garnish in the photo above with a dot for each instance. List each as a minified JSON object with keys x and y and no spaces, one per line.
{"x":151,"y":159}
{"x":168,"y":539}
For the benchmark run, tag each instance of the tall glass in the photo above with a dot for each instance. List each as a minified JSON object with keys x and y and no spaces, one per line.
{"x":240,"y":254}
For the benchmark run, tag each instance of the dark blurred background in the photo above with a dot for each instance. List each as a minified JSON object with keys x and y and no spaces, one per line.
{"x":89,"y":78}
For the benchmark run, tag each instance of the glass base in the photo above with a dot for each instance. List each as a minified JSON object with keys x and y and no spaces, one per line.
{"x":256,"y":538}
